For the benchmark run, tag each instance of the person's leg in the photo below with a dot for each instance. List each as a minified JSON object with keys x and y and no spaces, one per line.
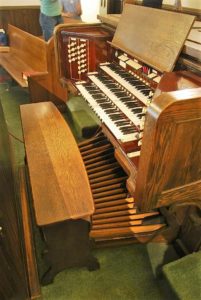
{"x":59,"y":20}
{"x":47,"y":24}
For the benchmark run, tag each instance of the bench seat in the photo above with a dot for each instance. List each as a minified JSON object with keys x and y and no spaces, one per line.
{"x":59,"y":181}
{"x":15,"y":66}
{"x":61,"y":194}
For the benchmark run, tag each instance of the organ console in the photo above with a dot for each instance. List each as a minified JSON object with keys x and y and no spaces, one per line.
{"x":129,"y":84}
{"x":145,"y":159}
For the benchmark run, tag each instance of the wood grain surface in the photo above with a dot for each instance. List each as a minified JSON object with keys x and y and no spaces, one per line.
{"x":170,"y":156}
{"x":159,"y":41}
{"x":58,"y":178}
{"x":192,"y":42}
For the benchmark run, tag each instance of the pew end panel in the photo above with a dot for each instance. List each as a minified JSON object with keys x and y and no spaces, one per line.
{"x":48,"y":86}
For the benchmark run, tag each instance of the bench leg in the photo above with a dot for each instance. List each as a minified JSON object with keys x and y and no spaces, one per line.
{"x":67,"y":245}
{"x":93,"y":264}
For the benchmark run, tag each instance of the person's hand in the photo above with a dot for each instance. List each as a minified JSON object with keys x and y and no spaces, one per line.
{"x":67,"y":15}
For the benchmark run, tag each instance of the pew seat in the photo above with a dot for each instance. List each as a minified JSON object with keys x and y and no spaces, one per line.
{"x":26,"y":53}
{"x":16,"y":67}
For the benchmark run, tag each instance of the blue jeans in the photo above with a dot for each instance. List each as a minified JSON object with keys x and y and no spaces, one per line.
{"x":48,"y":23}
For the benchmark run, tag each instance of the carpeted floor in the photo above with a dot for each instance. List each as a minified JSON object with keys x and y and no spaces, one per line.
{"x":184,"y":276}
{"x":127,"y":272}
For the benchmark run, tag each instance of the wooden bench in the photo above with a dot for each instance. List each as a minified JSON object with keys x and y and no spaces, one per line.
{"x":62,"y":197}
{"x":35,"y":58}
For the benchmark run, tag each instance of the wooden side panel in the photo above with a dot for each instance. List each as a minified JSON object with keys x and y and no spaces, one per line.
{"x":31,"y":49}
{"x":170,"y":156}
{"x":32,"y":272}
{"x":47,"y":87}
{"x":55,"y":86}
{"x":13,"y":284}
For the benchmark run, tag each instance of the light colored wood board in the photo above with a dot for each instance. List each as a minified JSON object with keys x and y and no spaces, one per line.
{"x":154,"y":36}
{"x":127,"y":231}
{"x":112,"y":20}
{"x":189,"y":48}
{"x":197,"y":24}
{"x":4,"y":49}
{"x":59,"y":182}
{"x":31,"y":49}
{"x":195,"y":36}
{"x":192,"y":49}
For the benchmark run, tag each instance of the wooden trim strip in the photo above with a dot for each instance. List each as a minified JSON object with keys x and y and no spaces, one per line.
{"x":114,"y":214}
{"x":32,"y":272}
{"x":113,"y":203}
{"x":110,"y":198}
{"x":117,"y":225}
{"x":107,"y":182}
{"x":129,"y":231}
{"x":186,"y":193}
{"x":108,"y":188}
{"x":109,"y":192}
{"x":129,"y":217}
{"x":20,"y":7}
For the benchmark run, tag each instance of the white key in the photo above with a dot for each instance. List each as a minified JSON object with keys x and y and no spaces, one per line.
{"x":104,"y":116}
{"x":116,"y":100}
{"x":125,"y":84}
{"x":133,"y":154}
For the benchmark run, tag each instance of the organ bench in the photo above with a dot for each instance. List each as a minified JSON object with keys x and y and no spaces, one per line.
{"x":57,"y":175}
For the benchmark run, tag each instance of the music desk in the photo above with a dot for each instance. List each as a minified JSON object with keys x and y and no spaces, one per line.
{"x":61,"y":193}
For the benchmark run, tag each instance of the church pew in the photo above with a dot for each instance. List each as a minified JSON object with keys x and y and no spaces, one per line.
{"x":31,"y":63}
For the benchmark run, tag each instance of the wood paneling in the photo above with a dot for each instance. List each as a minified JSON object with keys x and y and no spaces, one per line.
{"x":25,"y":18}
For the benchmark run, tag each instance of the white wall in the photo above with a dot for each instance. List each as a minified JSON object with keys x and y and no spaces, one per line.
{"x":90,"y":10}
{"x":186,"y":3}
{"x":90,"y":7}
{"x":19,"y":3}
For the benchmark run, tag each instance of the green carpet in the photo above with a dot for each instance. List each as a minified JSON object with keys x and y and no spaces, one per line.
{"x":184,"y":276}
{"x":11,"y":98}
{"x":127,"y":272}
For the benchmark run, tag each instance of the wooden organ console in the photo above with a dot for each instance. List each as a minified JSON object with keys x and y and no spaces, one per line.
{"x":145,"y":158}
{"x":138,"y":100}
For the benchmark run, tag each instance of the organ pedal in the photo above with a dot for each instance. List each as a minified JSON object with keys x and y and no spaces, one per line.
{"x":116,"y":216}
